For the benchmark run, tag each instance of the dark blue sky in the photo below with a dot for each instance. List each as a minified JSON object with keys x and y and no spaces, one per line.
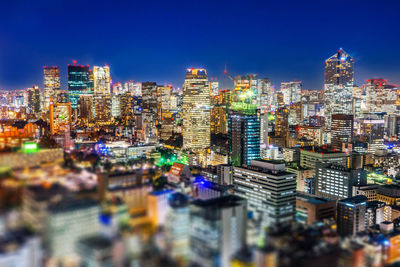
{"x":157,"y":40}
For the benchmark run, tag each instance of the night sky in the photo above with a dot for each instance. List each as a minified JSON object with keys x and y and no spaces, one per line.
{"x":157,"y":40}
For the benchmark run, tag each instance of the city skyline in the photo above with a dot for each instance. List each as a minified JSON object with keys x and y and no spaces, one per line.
{"x":280,"y":44}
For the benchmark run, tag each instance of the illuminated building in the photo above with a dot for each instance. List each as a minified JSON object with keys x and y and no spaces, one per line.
{"x":51,"y":85}
{"x":336,"y":182}
{"x":134,"y":88}
{"x":86,"y":108}
{"x":68,"y":222}
{"x":218,"y":230}
{"x":80,"y":82}
{"x":244,"y":136}
{"x":368,"y":190}
{"x":33,"y":99}
{"x":116,"y":106}
{"x":311,"y":209}
{"x":339,"y":79}
{"x":177,"y":226}
{"x":265,"y":95}
{"x":393,"y":251}
{"x":196,"y":110}
{"x":351,"y":215}
{"x":269,"y":189}
{"x":309,"y":157}
{"x":372,"y":127}
{"x":214,"y":88}
{"x":380,"y":96}
{"x":60,"y":118}
{"x":218,"y":119}
{"x":291,"y":92}
{"x":102,"y":97}
{"x":12,"y":135}
{"x":117,"y":89}
{"x":390,"y":194}
{"x":245,"y":89}
{"x":149,"y":113}
{"x":342,"y":127}
{"x":165,"y":112}
{"x":282,"y":125}
{"x":157,"y":207}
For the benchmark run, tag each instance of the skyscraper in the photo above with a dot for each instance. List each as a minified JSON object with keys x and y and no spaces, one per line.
{"x":33,"y":97}
{"x":291,"y":92}
{"x":51,"y":85}
{"x":102,"y":93}
{"x":269,"y":189}
{"x":218,"y":230}
{"x":80,"y":82}
{"x":60,"y":118}
{"x":196,"y":110}
{"x":342,"y":127}
{"x":380,"y":96}
{"x":244,"y":136}
{"x":339,"y":82}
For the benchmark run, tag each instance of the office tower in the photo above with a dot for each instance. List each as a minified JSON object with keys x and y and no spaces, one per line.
{"x":265,"y":95}
{"x":218,"y":230}
{"x":245,"y":89}
{"x":177,"y":227}
{"x":244,"y":136}
{"x":130,"y":107}
{"x":218,"y":119}
{"x":117,"y":89}
{"x":269,"y":189}
{"x":196,"y":110}
{"x":69,"y":221}
{"x":80,"y":82}
{"x":149,"y":113}
{"x":134,"y":88}
{"x":311,"y":209}
{"x":291,"y":92}
{"x":214,"y":86}
{"x":380,"y":96}
{"x":339,"y":82}
{"x":351,"y":215}
{"x":372,"y":128}
{"x":60,"y":118}
{"x":310,"y":157}
{"x":342,"y":127}
{"x":102,"y":95}
{"x":33,"y":99}
{"x":86,"y":108}
{"x":116,"y":106}
{"x":336,"y":182}
{"x":165,"y":112}
{"x":51,"y":85}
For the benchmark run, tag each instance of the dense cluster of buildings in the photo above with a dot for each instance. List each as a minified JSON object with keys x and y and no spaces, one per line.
{"x":104,"y":173}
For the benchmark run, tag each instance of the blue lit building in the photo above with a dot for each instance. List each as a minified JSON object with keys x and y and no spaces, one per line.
{"x":80,"y":82}
{"x":244,"y":136}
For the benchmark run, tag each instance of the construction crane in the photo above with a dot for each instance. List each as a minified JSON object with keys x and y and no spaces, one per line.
{"x":227,"y":74}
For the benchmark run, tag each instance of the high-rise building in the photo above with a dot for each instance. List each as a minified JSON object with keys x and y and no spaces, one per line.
{"x":351,"y":215}
{"x":372,"y":128}
{"x":218,"y":119}
{"x":218,"y":230}
{"x":60,"y":118}
{"x":33,"y":99}
{"x":102,"y":93}
{"x":342,"y":127}
{"x":196,"y":110}
{"x":116,"y":106}
{"x":246,"y":89}
{"x":86,"y":108}
{"x":51,"y":85}
{"x":80,"y":82}
{"x":177,"y":227}
{"x":310,"y":157}
{"x":339,"y":82}
{"x":291,"y":92}
{"x":336,"y":182}
{"x":269,"y":189}
{"x":380,"y":96}
{"x":244,"y":136}
{"x":265,"y":95}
